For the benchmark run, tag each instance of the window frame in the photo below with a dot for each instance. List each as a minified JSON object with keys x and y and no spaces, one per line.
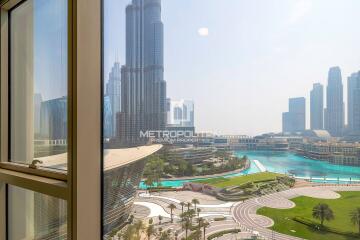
{"x":84,"y":125}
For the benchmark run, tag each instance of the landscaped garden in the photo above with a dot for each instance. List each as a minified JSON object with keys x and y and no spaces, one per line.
{"x":243,"y":187}
{"x":304,"y":220}
{"x":222,"y":182}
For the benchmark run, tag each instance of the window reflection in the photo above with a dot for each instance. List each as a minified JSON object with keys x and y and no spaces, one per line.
{"x":38,"y":85}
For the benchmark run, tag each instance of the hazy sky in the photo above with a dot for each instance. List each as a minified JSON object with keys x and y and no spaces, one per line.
{"x":240,"y":60}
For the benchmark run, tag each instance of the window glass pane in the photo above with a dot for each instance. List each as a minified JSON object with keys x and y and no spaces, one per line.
{"x":134,"y":101}
{"x":38,"y":82}
{"x":33,"y":215}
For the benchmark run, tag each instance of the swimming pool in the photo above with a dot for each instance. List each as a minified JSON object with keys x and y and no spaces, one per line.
{"x":287,"y":163}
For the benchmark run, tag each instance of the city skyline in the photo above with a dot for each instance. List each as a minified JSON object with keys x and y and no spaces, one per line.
{"x":272,"y":43}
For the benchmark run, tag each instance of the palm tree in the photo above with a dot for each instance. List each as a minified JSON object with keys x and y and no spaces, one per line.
{"x":200,"y":221}
{"x":355,"y":217}
{"x":164,"y":236}
{"x":176,"y":234}
{"x":205,"y":224}
{"x":160,"y":218}
{"x":131,"y":219}
{"x":191,"y":214}
{"x":150,"y":231}
{"x":149,"y":182}
{"x":198,"y":212}
{"x":188,"y":205}
{"x":172,"y":207}
{"x":182,"y":206}
{"x":139,"y":226}
{"x":187,"y":226}
{"x":197,"y":235}
{"x":322,"y":212}
{"x":195,"y":202}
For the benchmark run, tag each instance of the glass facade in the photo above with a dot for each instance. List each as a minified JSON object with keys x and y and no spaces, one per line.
{"x":33,"y":215}
{"x":120,"y":185}
{"x":38,"y":81}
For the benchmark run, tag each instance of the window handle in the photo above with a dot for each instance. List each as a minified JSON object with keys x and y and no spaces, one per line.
{"x":34,"y":164}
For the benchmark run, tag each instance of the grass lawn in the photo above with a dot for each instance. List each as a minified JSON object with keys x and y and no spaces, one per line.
{"x":235,"y":181}
{"x":341,"y":208}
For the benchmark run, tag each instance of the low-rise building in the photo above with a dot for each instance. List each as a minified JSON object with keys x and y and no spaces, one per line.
{"x":191,"y":154}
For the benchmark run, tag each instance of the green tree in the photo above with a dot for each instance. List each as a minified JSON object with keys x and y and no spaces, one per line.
{"x":191,"y":214}
{"x":205,"y":225}
{"x":149,"y":182}
{"x":355,"y":217}
{"x":130,"y":233}
{"x":154,"y":169}
{"x":187,"y":226}
{"x":182,"y":167}
{"x":195,"y":202}
{"x":172,"y":207}
{"x":160,"y":219}
{"x":322,"y":212}
{"x":139,"y":227}
{"x":188,"y":205}
{"x":164,"y":236}
{"x":131,"y":219}
{"x":182,"y":204}
{"x":150,"y":231}
{"x":197,"y":235}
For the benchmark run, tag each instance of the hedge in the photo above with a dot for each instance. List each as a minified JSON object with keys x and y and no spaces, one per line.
{"x":316,"y":226}
{"x":219,"y":234}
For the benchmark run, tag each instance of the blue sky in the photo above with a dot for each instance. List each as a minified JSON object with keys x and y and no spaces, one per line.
{"x":257,"y":54}
{"x":50,"y":39}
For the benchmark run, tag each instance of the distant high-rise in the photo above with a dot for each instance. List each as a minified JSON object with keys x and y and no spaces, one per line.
{"x":107,"y":118}
{"x":113,"y":91}
{"x":53,"y":119}
{"x":143,"y":87}
{"x":354,"y":103}
{"x":294,"y":119}
{"x":317,"y":107}
{"x":334,"y":113}
{"x":180,"y":113}
{"x":37,"y":112}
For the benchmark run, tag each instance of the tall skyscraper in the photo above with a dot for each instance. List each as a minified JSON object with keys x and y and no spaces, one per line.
{"x":113,"y":91}
{"x":317,"y":107}
{"x":294,"y":119}
{"x":352,"y":82}
{"x":334,"y":113}
{"x":143,"y":99}
{"x":354,"y":103}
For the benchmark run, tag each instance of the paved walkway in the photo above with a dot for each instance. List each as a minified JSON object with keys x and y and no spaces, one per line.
{"x":222,"y":205}
{"x":245,"y":212}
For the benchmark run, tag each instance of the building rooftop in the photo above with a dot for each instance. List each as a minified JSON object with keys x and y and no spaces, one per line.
{"x":113,"y":158}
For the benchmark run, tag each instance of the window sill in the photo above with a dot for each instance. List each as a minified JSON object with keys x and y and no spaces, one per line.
{"x":48,"y":186}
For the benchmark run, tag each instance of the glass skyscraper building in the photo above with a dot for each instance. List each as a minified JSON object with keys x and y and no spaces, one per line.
{"x":334,"y":113}
{"x":294,"y":119}
{"x":143,"y":87}
{"x":317,"y":107}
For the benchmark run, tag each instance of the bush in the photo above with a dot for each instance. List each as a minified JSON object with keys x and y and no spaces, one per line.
{"x":317,"y":226}
{"x":160,"y":189}
{"x":219,"y":218}
{"x":219,"y":234}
